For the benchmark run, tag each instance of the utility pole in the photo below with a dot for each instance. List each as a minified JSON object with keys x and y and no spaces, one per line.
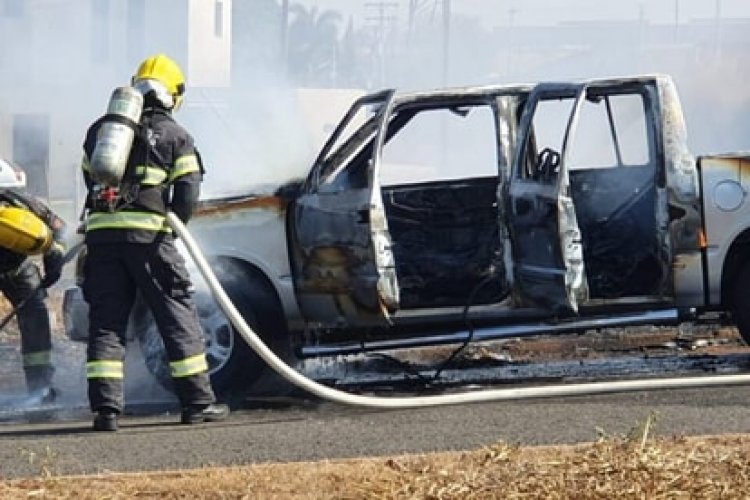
{"x":381,"y":19}
{"x":430,"y":9}
{"x":416,"y":9}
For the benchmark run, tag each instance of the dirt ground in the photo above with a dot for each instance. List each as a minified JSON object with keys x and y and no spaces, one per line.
{"x":614,"y":467}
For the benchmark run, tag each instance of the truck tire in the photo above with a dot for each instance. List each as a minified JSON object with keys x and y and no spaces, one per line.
{"x":235,"y":369}
{"x":741,"y":302}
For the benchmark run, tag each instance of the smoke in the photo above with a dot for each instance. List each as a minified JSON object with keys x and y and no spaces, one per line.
{"x":248,"y":139}
{"x":703,"y":45}
{"x":266,"y":127}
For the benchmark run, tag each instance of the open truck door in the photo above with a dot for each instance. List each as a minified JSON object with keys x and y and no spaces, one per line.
{"x":341,"y":247}
{"x":545,"y":237}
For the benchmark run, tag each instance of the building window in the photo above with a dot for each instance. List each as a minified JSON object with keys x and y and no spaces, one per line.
{"x":219,"y":18}
{"x":13,"y":8}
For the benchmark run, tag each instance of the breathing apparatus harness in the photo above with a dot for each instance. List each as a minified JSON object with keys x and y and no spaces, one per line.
{"x":125,"y":127}
{"x":105,"y":198}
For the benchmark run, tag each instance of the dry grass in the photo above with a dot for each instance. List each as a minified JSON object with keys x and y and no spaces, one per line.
{"x":708,"y":467}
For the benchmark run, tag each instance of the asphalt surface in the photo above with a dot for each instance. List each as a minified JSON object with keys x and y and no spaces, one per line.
{"x":308,"y":431}
{"x":56,"y":439}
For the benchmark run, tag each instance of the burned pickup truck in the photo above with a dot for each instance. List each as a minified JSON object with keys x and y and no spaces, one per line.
{"x":483,"y":212}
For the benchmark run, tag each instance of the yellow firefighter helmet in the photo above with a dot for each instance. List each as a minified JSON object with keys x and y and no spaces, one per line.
{"x":162,"y":75}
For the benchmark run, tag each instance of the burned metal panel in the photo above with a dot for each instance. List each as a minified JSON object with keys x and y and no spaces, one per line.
{"x":726,"y":184}
{"x":507,"y":109}
{"x":681,"y":173}
{"x":680,"y":210}
{"x":542,"y":238}
{"x":546,"y":241}
{"x":337,"y":256}
{"x":336,"y":250}
{"x":388,"y":290}
{"x":680,"y":167}
{"x":250,"y":229}
{"x":341,"y":247}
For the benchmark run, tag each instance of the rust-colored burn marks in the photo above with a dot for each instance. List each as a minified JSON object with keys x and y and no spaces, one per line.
{"x":329,"y":270}
{"x":229,"y":205}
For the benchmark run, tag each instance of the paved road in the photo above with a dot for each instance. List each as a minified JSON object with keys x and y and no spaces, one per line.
{"x":309,"y":431}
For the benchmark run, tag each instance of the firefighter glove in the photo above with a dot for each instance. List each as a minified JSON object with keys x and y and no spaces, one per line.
{"x":53,"y":262}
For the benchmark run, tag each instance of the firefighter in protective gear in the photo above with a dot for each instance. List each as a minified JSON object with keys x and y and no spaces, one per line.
{"x":131,"y":249}
{"x":23,"y":286}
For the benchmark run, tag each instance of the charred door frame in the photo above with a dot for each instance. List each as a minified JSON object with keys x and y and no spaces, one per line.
{"x":545,"y":237}
{"x":341,"y":247}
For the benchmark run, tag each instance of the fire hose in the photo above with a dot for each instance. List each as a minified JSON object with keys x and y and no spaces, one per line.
{"x":486,"y":395}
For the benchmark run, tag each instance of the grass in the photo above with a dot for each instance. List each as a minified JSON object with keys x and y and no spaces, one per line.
{"x":612,"y":467}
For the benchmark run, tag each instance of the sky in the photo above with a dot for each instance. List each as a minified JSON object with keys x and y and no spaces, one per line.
{"x":495,"y":13}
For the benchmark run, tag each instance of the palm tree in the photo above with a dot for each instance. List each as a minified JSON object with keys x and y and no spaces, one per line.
{"x":313,"y":45}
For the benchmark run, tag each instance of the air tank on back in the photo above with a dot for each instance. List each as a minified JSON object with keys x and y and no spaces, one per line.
{"x":115,"y":137}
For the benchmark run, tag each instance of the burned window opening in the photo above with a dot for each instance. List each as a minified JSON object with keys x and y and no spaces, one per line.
{"x":446,"y":242}
{"x":616,"y":203}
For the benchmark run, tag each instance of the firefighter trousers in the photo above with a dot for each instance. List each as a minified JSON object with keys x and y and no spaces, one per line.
{"x":22,"y":287}
{"x":113,"y":275}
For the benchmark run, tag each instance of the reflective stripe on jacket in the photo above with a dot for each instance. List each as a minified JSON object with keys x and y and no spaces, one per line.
{"x":140,"y":215}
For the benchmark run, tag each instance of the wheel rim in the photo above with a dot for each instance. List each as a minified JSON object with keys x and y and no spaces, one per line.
{"x":218,"y":337}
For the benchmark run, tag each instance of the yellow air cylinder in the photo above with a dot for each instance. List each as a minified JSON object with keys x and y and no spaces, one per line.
{"x":23,"y":232}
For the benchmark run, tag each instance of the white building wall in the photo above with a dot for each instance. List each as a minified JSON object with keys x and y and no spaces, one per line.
{"x":209,"y":43}
{"x":166,"y":31}
{"x":61,"y":59}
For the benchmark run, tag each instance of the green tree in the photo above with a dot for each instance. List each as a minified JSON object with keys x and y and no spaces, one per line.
{"x":314,"y":45}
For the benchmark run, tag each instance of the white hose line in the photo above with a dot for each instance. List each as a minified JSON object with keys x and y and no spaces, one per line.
{"x":346,"y":398}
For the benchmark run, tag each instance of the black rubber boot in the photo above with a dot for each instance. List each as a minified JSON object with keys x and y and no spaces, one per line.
{"x":198,"y":414}
{"x":106,"y":420}
{"x":39,"y":383}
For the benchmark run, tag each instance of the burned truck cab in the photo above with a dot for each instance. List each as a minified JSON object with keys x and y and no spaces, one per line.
{"x":578,"y":196}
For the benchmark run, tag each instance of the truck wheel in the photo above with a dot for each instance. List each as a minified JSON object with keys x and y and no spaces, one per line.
{"x":741,"y":302}
{"x":234,"y":367}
